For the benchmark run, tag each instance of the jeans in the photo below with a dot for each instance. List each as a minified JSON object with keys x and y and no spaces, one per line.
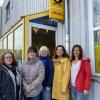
{"x":32,"y":98}
{"x":77,"y":95}
{"x":46,"y":95}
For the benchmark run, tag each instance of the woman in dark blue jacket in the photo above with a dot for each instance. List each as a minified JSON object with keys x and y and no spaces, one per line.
{"x":44,"y":54}
{"x":10,"y":79}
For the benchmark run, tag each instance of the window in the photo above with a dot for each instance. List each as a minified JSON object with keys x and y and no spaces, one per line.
{"x":43,"y":37}
{"x":97,"y":50}
{"x":94,"y":36}
{"x":0,"y":47}
{"x":10,"y":42}
{"x":4,"y":45}
{"x":8,"y":11}
{"x":18,"y":43}
{"x":12,"y":4}
{"x":96,"y":32}
{"x":96,"y":13}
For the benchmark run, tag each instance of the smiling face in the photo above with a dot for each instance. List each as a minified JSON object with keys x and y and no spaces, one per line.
{"x":44,"y":53}
{"x":76,"y":52}
{"x":59,"y":51}
{"x":8,"y":59}
{"x":31,"y":55}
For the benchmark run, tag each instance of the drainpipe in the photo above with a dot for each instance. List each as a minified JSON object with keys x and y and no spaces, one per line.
{"x":67,"y":25}
{"x":1,"y":21}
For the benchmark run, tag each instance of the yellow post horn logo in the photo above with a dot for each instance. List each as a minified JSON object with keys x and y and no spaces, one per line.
{"x":58,"y":1}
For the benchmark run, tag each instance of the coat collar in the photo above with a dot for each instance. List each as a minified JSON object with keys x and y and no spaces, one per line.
{"x":59,"y":61}
{"x":31,"y":62}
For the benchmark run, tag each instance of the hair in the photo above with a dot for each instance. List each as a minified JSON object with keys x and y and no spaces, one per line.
{"x":64,"y":55}
{"x":14,"y":62}
{"x":44,"y":48}
{"x":30,"y":49}
{"x":81,"y":52}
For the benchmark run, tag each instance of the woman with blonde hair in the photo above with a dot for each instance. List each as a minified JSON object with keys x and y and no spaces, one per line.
{"x":44,"y":54}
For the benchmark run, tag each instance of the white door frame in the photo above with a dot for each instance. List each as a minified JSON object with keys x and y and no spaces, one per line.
{"x":31,"y":24}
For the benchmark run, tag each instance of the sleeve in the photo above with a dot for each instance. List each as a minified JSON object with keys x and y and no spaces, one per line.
{"x":65,"y":75}
{"x":40,"y":78}
{"x":51,"y":72}
{"x":22,"y":76}
{"x":1,"y":96}
{"x":87,"y":75}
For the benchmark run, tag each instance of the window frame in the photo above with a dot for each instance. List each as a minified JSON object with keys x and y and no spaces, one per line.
{"x":8,"y":11}
{"x":21,"y":25}
{"x":8,"y":41}
{"x":91,"y":30}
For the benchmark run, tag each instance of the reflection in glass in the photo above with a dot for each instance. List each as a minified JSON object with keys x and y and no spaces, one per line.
{"x":10,"y":42}
{"x":42,"y":37}
{"x":97,"y":50}
{"x":96,"y":13}
{"x":18,"y":43}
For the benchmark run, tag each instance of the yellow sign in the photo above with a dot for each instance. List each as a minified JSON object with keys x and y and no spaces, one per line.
{"x":56,"y":10}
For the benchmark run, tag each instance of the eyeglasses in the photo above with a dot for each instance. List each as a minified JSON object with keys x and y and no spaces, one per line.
{"x":8,"y":57}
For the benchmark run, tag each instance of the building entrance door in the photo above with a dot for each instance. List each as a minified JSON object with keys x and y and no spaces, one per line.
{"x":43,"y":35}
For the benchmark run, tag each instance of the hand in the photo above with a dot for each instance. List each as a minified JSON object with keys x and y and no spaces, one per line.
{"x":63,"y":93}
{"x":86,"y":92}
{"x":28,"y":88}
{"x":48,"y":88}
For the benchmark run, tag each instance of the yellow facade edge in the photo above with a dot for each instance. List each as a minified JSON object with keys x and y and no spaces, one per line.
{"x":25,"y":22}
{"x":27,"y":18}
{"x":37,"y":15}
{"x":20,"y":22}
{"x":12,"y":29}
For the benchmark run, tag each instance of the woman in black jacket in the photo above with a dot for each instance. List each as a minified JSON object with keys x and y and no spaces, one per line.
{"x":10,"y":78}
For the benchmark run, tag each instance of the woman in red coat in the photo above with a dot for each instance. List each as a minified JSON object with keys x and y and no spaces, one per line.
{"x":80,"y":74}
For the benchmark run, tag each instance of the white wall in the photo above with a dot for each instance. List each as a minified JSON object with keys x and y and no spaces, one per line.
{"x":35,"y":6}
{"x":20,"y":8}
{"x":78,"y":24}
{"x":60,"y":36}
{"x":15,"y":14}
{"x":95,"y":89}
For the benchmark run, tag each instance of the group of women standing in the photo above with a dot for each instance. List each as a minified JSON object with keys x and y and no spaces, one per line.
{"x":41,"y":78}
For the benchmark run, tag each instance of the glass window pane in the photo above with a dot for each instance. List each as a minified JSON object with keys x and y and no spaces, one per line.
{"x":8,"y":11}
{"x":96,"y":13}
{"x":18,"y":43}
{"x":10,"y":42}
{"x":97,"y":50}
{"x":4,"y":45}
{"x":0,"y":44}
{"x":1,"y":47}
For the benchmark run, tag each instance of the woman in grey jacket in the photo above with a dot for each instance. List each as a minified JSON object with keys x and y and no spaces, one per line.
{"x":33,"y":74}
